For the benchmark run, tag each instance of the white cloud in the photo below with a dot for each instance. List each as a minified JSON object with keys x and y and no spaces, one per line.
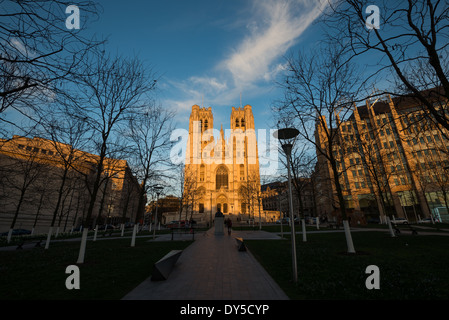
{"x":271,"y":30}
{"x":208,"y":83}
{"x":274,"y":28}
{"x":19,"y":46}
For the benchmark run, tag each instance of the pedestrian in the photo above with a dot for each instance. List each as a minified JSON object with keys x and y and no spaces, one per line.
{"x":229,"y":224}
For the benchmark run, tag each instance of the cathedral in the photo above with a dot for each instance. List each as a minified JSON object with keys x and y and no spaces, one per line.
{"x":222,"y":167}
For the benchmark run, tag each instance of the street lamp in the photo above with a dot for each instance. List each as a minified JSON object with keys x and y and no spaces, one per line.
{"x":158,"y":190}
{"x":286,"y":137}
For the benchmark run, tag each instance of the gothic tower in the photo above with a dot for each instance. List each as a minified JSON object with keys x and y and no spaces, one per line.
{"x":222,"y":167}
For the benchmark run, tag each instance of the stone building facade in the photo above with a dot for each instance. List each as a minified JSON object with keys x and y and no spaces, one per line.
{"x":31,"y":175}
{"x":222,"y":167}
{"x":392,"y":160}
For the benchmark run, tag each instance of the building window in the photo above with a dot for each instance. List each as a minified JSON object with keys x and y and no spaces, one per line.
{"x":201,"y":208}
{"x":237,"y":123}
{"x":242,"y":172}
{"x":202,"y":170}
{"x":221,"y":178}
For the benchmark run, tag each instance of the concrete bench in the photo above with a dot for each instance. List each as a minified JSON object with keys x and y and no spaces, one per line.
{"x":163,"y":268}
{"x":397,"y":230}
{"x":20,"y":245}
{"x":184,"y":231}
{"x":240,"y":244}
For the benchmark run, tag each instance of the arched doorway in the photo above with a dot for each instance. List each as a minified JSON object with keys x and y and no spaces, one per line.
{"x":222,"y":204}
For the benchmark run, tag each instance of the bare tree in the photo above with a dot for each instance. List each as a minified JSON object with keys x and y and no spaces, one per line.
{"x":317,"y":87}
{"x":66,"y":136}
{"x":112,"y":91}
{"x":410,"y":42}
{"x":38,"y":51}
{"x":149,"y":133}
{"x":190,"y":190}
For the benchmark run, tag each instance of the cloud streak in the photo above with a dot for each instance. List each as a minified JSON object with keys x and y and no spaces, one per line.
{"x":274,"y":28}
{"x":271,"y":30}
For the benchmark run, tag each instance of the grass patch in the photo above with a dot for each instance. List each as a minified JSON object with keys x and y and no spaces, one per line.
{"x":411,"y":267}
{"x":112,"y":269}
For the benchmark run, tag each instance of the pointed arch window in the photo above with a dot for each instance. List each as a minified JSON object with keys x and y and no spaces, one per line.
{"x":237,"y":123}
{"x":202,"y":172}
{"x":242,"y":122}
{"x":221,"y":178}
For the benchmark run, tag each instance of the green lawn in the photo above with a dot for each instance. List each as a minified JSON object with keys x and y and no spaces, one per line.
{"x":411,"y":267}
{"x":112,"y":268}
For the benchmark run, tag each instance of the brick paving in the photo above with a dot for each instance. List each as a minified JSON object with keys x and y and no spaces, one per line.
{"x":212,"y":268}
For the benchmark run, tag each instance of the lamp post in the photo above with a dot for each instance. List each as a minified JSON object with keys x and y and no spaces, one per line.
{"x":158,"y":190}
{"x":286,"y":137}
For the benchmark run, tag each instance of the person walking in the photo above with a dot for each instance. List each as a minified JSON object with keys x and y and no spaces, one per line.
{"x":229,"y":225}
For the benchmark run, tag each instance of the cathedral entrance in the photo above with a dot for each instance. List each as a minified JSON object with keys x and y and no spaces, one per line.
{"x":222,"y":204}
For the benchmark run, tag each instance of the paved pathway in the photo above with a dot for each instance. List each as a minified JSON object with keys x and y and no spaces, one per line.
{"x":212,"y":268}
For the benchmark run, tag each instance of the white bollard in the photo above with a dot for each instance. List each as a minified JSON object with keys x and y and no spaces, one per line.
{"x":83,"y":246}
{"x":9,"y":235}
{"x":47,"y":244}
{"x":348,"y":237}
{"x":304,"y":235}
{"x":133,"y":240}
{"x":390,"y":227}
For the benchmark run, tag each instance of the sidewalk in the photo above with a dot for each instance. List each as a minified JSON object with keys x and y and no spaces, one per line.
{"x":212,"y":268}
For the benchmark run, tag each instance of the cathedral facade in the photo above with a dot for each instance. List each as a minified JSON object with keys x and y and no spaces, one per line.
{"x":222,"y":167}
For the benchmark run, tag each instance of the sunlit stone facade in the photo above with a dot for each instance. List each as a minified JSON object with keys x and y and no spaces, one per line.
{"x":222,"y":166}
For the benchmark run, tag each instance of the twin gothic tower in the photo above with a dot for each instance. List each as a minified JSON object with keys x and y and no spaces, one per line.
{"x":222,"y":167}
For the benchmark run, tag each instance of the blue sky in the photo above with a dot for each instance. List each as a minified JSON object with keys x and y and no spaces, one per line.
{"x":211,"y":51}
